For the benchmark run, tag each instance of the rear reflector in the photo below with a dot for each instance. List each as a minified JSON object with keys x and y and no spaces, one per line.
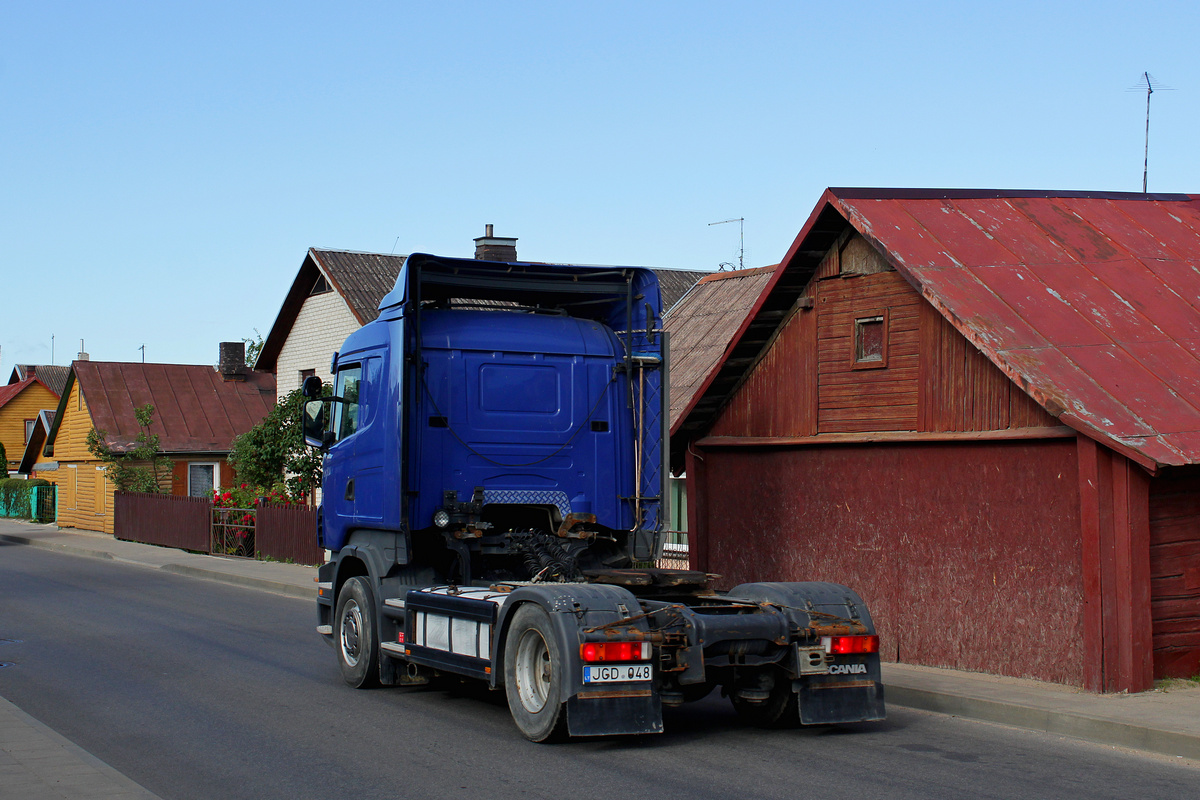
{"x":593,"y":652}
{"x":849,"y":645}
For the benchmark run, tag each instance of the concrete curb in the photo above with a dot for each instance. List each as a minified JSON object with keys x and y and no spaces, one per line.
{"x":62,"y":548}
{"x":244,"y":581}
{"x":1056,"y":721}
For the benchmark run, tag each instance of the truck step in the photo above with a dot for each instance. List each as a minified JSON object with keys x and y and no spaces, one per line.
{"x":325,"y":630}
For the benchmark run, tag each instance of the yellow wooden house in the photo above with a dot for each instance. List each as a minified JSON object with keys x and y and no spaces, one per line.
{"x":198,"y":412}
{"x":20,"y":403}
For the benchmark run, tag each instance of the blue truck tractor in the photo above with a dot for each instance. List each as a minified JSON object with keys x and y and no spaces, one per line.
{"x":492,"y":505}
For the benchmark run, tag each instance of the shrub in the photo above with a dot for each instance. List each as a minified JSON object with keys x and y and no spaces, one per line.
{"x":16,"y":496}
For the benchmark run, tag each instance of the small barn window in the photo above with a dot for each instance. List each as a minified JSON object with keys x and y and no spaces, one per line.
{"x":870,"y":341}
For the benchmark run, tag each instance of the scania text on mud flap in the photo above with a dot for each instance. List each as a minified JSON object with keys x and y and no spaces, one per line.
{"x":494,"y":467}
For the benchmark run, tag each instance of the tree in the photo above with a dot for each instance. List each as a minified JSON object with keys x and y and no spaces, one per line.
{"x":273,"y":451}
{"x":137,"y":468}
{"x":253,"y":348}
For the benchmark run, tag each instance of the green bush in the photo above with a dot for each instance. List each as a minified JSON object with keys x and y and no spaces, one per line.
{"x":16,"y":496}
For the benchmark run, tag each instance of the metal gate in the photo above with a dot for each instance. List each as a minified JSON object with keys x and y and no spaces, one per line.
{"x":45,"y":504}
{"x":233,"y":531}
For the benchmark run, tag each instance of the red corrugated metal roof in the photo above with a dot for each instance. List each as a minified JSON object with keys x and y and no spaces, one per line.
{"x":10,"y":391}
{"x":1088,"y":301}
{"x":195,"y":409}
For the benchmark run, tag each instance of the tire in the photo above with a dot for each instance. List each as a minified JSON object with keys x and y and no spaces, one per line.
{"x":781,"y":709}
{"x":354,"y":636}
{"x":533,"y":675}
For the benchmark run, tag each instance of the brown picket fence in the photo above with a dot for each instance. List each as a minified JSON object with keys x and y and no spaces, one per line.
{"x":281,"y":533}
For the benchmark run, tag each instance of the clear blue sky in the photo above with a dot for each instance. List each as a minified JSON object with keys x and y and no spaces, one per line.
{"x":166,"y":165}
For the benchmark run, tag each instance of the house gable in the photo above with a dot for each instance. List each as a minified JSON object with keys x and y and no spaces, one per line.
{"x":20,"y":404}
{"x":812,"y":378}
{"x":322,"y":324}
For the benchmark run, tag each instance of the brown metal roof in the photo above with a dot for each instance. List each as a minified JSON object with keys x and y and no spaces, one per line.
{"x":195,"y":409}
{"x":362,"y":279}
{"x":1089,"y":301}
{"x":703,"y":322}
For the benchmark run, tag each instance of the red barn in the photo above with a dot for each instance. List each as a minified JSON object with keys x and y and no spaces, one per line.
{"x":981,"y":409}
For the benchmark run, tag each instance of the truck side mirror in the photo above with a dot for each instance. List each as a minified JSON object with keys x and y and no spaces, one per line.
{"x":311,"y":387}
{"x":314,"y":420}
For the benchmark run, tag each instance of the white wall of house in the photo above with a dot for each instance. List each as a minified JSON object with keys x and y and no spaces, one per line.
{"x":322,"y":325}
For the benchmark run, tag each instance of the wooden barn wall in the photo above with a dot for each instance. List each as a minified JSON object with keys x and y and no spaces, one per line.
{"x":779,"y":395}
{"x":883,"y":399}
{"x":961,"y":390}
{"x":1114,"y":532}
{"x":1175,"y":572}
{"x":966,"y":553}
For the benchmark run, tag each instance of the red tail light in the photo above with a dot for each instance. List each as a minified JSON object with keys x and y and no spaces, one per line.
{"x":593,"y":652}
{"x":849,"y":645}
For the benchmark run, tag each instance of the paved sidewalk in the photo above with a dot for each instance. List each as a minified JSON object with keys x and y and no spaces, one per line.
{"x":38,"y":764}
{"x":1164,"y":722}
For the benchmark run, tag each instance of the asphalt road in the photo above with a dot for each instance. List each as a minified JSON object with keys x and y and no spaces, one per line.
{"x":201,"y":690}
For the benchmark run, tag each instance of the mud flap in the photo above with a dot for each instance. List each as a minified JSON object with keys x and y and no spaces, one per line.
{"x":613,"y":716}
{"x":829,"y":702}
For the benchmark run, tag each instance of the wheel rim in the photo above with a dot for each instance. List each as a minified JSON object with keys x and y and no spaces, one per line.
{"x":534,"y":669}
{"x":351,"y":637}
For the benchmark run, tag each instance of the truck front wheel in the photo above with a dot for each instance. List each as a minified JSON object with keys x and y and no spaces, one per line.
{"x":354,"y":634}
{"x":533,"y":664}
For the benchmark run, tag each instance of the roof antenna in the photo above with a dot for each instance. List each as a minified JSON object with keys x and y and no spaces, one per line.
{"x":394,"y":246}
{"x":741,"y":221}
{"x":1151,"y":83}
{"x":143,"y":349}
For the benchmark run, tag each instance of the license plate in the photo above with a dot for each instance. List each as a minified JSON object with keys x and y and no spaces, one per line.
{"x":619,"y":673}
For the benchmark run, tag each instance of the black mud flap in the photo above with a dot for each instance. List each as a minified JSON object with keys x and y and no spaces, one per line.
{"x":614,"y":716}
{"x":830,"y":702}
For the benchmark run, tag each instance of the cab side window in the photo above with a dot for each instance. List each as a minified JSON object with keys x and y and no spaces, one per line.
{"x":345,"y":414}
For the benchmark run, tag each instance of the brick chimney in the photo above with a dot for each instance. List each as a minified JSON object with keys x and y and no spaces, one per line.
{"x":232,"y":363}
{"x":495,"y":248}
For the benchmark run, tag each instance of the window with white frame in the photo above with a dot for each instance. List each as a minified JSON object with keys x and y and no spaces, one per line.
{"x":203,"y":478}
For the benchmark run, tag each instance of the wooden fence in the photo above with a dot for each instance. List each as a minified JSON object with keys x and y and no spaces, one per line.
{"x":163,"y":519}
{"x":280,"y":532}
{"x":288,"y":532}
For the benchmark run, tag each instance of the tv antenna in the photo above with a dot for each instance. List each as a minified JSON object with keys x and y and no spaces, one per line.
{"x":741,"y":221}
{"x":1149,"y":83}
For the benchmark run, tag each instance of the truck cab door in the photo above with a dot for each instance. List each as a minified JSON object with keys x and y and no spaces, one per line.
{"x":338,"y":489}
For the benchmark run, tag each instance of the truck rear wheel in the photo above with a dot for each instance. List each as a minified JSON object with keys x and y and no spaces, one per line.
{"x":780,"y":709}
{"x":533,"y":665}
{"x":354,"y":634}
